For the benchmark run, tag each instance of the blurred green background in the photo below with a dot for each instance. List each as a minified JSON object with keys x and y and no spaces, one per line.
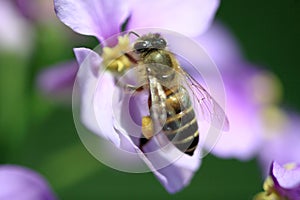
{"x":39,"y":133}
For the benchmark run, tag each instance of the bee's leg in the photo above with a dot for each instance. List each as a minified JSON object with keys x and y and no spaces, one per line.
{"x":130,"y":89}
{"x":147,"y":127}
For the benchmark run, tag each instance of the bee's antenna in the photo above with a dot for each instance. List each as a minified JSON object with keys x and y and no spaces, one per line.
{"x":134,"y":33}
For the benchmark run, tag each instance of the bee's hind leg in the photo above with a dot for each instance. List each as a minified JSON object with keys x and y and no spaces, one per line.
{"x":147,"y":127}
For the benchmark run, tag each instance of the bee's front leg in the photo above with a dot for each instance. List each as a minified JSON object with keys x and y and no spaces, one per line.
{"x":130,"y":89}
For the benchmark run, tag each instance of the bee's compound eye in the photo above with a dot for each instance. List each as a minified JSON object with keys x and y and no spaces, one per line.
{"x":140,"y":46}
{"x":162,"y":43}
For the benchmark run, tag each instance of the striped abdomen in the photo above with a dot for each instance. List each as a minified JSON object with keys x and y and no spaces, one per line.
{"x":181,"y":125}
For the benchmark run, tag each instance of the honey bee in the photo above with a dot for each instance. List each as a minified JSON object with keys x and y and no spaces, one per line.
{"x":169,"y":101}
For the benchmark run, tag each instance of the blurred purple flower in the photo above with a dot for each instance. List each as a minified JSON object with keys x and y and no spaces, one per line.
{"x":258,"y":126}
{"x":248,"y":89}
{"x":281,"y":138}
{"x":222,"y":46}
{"x":18,"y":183}
{"x":244,"y":138}
{"x":283,"y":183}
{"x":36,"y":10}
{"x":15,"y":32}
{"x":57,"y":81}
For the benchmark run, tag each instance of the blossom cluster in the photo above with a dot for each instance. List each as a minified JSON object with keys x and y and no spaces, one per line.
{"x":252,"y":98}
{"x":259,"y":127}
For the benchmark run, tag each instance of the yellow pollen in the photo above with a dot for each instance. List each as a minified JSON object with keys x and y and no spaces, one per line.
{"x":114,"y":58}
{"x":290,"y":166}
{"x":147,"y":127}
{"x":269,"y":192}
{"x":268,"y":185}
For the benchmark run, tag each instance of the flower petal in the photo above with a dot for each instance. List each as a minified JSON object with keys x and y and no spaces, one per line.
{"x":19,"y":183}
{"x":171,"y":167}
{"x":244,"y":138}
{"x":100,"y":18}
{"x":87,"y":86}
{"x":221,"y":46}
{"x":57,"y":81}
{"x":188,"y":17}
{"x":286,"y":178}
{"x":103,"y":107}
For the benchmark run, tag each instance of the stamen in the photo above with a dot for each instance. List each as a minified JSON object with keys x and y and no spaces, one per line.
{"x":115,"y":58}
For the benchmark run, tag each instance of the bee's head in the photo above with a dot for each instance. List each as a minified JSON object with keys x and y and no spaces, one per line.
{"x":149,"y":42}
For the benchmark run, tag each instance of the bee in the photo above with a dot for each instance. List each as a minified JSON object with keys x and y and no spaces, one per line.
{"x":171,"y":109}
{"x":169,"y":101}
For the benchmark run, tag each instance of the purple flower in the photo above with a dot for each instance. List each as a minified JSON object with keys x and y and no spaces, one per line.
{"x":18,"y":183}
{"x":103,"y":19}
{"x":283,"y":182}
{"x":173,"y":170}
{"x":286,"y":180}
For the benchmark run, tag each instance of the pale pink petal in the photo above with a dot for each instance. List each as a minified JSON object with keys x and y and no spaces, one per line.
{"x":221,"y":46}
{"x":245,"y":136}
{"x":171,"y":167}
{"x":286,"y":178}
{"x":87,"y":87}
{"x":100,"y":18}
{"x":243,"y":139}
{"x":188,"y":17}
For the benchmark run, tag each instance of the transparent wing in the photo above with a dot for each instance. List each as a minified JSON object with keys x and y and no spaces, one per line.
{"x":158,"y":104}
{"x":205,"y":104}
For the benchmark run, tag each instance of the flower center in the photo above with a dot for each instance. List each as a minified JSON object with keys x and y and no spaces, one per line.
{"x":270,"y":192}
{"x":266,"y":88}
{"x":115,"y":59}
{"x":274,"y":120}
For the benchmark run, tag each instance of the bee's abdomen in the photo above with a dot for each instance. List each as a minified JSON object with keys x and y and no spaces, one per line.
{"x":181,"y":125}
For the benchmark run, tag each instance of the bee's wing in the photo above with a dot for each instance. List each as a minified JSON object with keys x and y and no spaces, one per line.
{"x":205,"y":104}
{"x":158,"y":103}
